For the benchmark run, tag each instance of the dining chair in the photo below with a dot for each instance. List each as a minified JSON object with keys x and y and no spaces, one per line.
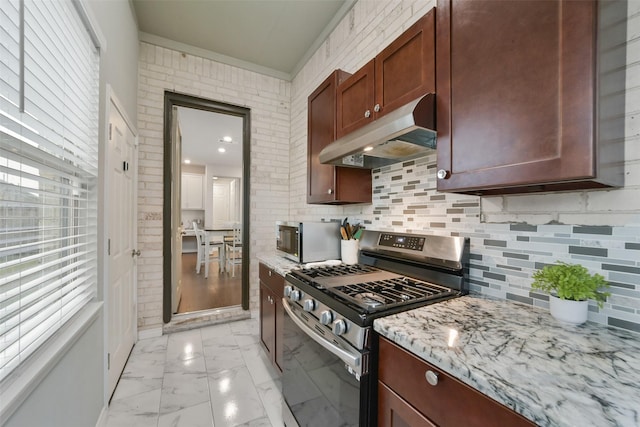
{"x":233,"y":249}
{"x":205,"y":256}
{"x":199,"y":247}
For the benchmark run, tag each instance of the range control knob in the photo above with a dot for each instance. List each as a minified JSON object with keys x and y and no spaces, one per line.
{"x":309,"y":305}
{"x":287,"y":290}
{"x":339,"y":327}
{"x":296,"y":295}
{"x":326,"y":317}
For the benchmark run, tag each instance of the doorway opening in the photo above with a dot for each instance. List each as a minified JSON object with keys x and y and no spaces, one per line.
{"x":208,"y":198}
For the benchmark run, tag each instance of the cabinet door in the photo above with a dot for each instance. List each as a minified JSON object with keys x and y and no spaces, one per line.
{"x":328,"y":184}
{"x":405,"y":70}
{"x":405,"y":374}
{"x":267,"y":320}
{"x":393,"y":411}
{"x":192,"y":191}
{"x":271,"y":313}
{"x":516,"y":94}
{"x":355,"y":100}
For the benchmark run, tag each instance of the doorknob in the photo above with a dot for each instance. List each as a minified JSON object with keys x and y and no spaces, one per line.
{"x":135,"y":252}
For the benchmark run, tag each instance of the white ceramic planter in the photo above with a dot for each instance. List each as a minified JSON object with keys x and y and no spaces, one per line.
{"x":568,"y":311}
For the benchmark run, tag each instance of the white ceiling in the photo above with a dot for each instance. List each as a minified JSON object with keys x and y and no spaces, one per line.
{"x":201,"y":134}
{"x":274,"y":37}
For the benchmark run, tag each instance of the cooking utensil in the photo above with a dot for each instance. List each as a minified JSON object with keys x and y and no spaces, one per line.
{"x":358,"y":234}
{"x":343,"y":233}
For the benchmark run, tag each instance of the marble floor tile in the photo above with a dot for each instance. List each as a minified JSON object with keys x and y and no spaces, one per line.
{"x":258,"y":364}
{"x":271,"y":396}
{"x":193,"y":416}
{"x":234,"y":397}
{"x":213,"y":376}
{"x":139,"y":410}
{"x":182,"y":390}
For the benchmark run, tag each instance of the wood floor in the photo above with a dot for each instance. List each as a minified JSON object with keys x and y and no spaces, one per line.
{"x":198,"y":293}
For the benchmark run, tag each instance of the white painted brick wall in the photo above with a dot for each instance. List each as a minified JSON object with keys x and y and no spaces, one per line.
{"x":268,"y":98}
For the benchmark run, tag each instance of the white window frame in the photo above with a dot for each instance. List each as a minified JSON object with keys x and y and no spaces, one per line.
{"x":23,"y":379}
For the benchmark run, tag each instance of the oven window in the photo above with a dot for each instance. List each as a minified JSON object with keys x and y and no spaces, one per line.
{"x":316,"y":384}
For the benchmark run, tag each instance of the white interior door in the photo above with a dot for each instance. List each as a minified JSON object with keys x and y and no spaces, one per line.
{"x":121,"y":231}
{"x":221,"y":201}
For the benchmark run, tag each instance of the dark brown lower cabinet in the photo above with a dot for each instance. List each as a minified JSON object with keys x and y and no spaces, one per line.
{"x":271,"y":313}
{"x":405,"y":398}
{"x":394,"y":411}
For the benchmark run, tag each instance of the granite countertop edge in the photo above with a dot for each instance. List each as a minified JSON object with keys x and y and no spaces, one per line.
{"x":551,"y":373}
{"x":280,"y":264}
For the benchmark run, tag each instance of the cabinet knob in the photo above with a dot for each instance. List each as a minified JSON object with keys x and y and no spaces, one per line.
{"x":432,"y":377}
{"x":330,"y":191}
{"x":367,"y":114}
{"x":442,"y":174}
{"x":269,"y":273}
{"x":376,"y":108}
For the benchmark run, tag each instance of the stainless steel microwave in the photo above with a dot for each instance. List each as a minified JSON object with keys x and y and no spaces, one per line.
{"x":308,"y":241}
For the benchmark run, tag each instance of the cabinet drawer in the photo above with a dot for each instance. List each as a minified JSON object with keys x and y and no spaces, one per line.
{"x":272,"y":280}
{"x":450,"y":402}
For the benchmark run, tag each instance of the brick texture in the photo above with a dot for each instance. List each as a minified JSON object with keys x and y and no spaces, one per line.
{"x":268,"y":98}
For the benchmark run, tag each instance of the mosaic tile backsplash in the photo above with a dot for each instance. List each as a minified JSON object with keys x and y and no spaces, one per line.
{"x":504,"y":256}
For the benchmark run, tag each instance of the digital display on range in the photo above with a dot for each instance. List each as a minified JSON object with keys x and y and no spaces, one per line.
{"x":413,"y":243}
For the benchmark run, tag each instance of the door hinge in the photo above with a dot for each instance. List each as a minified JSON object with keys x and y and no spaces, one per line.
{"x":108,"y":361}
{"x":108,"y":246}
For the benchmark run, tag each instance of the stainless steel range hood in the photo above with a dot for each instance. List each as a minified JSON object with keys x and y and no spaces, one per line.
{"x":404,"y":134}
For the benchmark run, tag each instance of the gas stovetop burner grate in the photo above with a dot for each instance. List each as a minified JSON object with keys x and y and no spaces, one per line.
{"x":310,"y":274}
{"x":381,"y":294}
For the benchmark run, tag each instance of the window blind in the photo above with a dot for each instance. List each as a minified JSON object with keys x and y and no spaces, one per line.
{"x":49,"y":75}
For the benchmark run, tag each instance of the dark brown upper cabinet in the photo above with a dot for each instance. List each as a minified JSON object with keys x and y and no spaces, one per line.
{"x":402,"y":72}
{"x":517,"y":97}
{"x":328,"y":184}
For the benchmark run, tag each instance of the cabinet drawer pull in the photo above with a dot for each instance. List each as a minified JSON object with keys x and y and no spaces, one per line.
{"x":432,"y":377}
{"x":269,"y":273}
{"x":367,"y":114}
{"x":376,"y":108}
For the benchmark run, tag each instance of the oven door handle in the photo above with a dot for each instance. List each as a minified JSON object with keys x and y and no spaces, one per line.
{"x":352,"y":360}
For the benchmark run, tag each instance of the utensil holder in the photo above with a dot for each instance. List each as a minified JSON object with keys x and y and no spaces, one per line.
{"x":349,"y":251}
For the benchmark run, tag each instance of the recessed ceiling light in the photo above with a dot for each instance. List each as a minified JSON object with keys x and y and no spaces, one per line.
{"x":187,"y":161}
{"x":227,"y":139}
{"x":221,"y":150}
{"x":215,"y":177}
{"x":368,"y":149}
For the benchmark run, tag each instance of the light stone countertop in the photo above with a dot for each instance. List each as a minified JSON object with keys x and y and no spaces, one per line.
{"x":279,"y":263}
{"x":551,"y":373}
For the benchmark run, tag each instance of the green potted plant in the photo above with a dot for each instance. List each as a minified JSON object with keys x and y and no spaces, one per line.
{"x":570,"y":286}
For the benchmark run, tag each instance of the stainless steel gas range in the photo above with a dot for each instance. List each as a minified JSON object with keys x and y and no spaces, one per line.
{"x":329,"y":349}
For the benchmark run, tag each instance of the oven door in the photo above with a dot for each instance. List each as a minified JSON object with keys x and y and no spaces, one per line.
{"x":317,"y":385}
